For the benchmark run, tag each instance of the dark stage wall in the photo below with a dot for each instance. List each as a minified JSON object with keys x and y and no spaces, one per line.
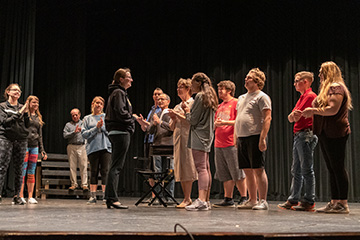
{"x":79,"y":45}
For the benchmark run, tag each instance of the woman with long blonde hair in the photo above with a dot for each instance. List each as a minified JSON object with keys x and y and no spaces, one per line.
{"x":35,"y":146}
{"x":98,"y":146}
{"x":330,"y":111}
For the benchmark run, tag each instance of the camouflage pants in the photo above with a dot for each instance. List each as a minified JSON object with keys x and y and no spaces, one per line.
{"x":12,"y":151}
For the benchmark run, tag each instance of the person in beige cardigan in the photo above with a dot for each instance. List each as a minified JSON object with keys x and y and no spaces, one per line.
{"x":184,"y":166}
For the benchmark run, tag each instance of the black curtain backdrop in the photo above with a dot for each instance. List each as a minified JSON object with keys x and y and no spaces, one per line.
{"x":17,"y":52}
{"x":80,"y":44}
{"x":17,"y":41}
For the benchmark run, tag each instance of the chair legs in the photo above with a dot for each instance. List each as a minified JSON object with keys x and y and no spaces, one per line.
{"x":164,"y":179}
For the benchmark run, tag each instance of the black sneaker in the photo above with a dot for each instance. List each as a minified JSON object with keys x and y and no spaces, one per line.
{"x":224,"y":203}
{"x":17,"y":201}
{"x":242,"y":200}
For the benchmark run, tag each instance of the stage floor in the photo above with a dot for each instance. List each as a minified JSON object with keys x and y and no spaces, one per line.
{"x":74,"y":215}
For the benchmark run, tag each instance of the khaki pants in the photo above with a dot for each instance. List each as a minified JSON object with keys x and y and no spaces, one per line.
{"x":78,"y":158}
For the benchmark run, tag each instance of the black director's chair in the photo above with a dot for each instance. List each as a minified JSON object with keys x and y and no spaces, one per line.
{"x":162,"y":179}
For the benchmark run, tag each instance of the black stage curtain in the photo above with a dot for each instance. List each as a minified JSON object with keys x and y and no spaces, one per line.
{"x":60,"y":66}
{"x":80,"y":44}
{"x":17,"y":44}
{"x":17,"y":50}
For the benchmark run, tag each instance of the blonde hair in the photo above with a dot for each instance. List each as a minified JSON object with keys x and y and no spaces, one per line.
{"x":209,"y":95}
{"x":228,"y":85}
{"x":186,"y":83}
{"x":37,"y":112}
{"x":332,"y":74}
{"x":93,"y":102}
{"x":305,"y":75}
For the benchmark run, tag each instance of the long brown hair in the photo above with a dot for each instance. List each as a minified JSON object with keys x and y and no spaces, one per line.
{"x":209,"y":97}
{"x":37,"y":112}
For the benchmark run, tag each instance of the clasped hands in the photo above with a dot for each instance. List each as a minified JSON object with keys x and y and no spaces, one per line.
{"x":100,"y":123}
{"x":306,"y":113}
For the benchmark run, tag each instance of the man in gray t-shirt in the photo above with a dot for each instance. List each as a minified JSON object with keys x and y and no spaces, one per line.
{"x":252,"y":125}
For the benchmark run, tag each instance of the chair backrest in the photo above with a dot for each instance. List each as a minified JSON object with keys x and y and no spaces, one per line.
{"x":142,"y":163}
{"x":161,"y":150}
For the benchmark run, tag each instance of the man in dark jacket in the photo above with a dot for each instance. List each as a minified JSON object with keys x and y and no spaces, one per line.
{"x":163,"y":135}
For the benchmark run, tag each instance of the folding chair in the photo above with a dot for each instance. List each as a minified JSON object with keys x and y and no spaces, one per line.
{"x":162,"y":179}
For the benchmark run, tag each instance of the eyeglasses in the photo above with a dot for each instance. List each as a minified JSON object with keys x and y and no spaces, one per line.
{"x":15,"y":90}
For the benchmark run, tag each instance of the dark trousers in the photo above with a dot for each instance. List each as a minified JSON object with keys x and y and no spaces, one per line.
{"x":99,"y":162}
{"x":333,"y":150}
{"x":14,"y":151}
{"x":120,"y":144}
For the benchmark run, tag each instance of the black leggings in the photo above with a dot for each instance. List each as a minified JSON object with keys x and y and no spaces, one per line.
{"x":333,"y":150}
{"x":99,"y":161}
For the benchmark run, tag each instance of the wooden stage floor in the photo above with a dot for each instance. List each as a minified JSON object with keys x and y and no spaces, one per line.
{"x":75,"y":217}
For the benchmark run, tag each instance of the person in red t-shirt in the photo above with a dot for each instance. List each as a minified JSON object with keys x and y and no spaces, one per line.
{"x":303,"y":148}
{"x":226,"y":162}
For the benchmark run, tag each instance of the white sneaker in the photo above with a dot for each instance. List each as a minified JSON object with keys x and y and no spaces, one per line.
{"x":23,"y":200}
{"x":32,"y":201}
{"x":262,"y":205}
{"x":209,"y":205}
{"x":247,"y":205}
{"x":197,"y":205}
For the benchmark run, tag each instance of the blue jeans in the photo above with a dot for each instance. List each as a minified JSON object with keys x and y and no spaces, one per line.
{"x":302,"y":167}
{"x":160,"y":164}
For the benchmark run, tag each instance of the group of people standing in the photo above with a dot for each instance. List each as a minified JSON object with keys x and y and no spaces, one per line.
{"x":238,"y":128}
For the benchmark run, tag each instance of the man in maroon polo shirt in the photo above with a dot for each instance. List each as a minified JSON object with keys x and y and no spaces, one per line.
{"x":303,"y":148}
